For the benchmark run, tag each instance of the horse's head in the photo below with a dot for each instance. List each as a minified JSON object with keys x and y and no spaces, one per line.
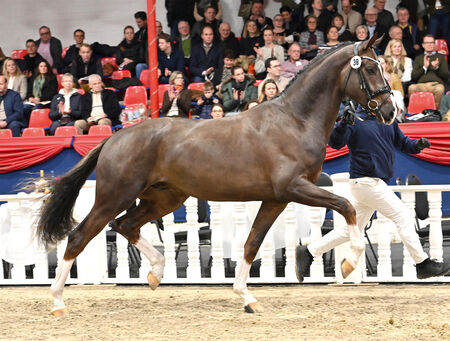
{"x":365,"y":83}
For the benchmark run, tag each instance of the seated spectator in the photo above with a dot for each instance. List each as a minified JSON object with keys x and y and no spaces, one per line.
{"x":210,"y":20}
{"x":184,"y":41}
{"x":11,"y":109}
{"x":322,"y":14}
{"x":251,"y":104}
{"x":205,"y":103}
{"x":228,"y":40}
{"x":411,"y":35}
{"x":395,"y":32}
{"x":16,"y":80}
{"x":352,"y":18}
{"x":169,"y":59}
{"x":141,"y":35}
{"x":395,"y":53}
{"x":332,"y":38}
{"x":238,"y":91}
{"x":74,"y":50}
{"x":270,"y":49}
{"x":394,"y":82}
{"x":217,"y":111}
{"x":257,"y":14}
{"x":223,"y":73}
{"x":371,"y":17}
{"x":293,"y":64}
{"x":50,"y":48}
{"x":201,"y":6}
{"x":42,"y":86}
{"x":292,"y":26}
{"x":32,"y":59}
{"x":66,"y":105}
{"x":274,"y":73}
{"x":269,"y":90}
{"x":177,"y":99}
{"x":343,"y":34}
{"x":444,"y":107}
{"x":310,"y":39}
{"x":385,"y":17}
{"x":251,"y":39}
{"x":280,"y":37}
{"x":361,"y":33}
{"x":205,"y":57}
{"x":84,"y":65}
{"x":129,"y":52}
{"x":430,"y":71}
{"x":98,"y":106}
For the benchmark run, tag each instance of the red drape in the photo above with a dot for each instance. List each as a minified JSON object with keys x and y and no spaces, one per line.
{"x":22,"y":152}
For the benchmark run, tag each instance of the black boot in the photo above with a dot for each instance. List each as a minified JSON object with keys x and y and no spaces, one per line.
{"x":431,"y":268}
{"x":303,"y":261}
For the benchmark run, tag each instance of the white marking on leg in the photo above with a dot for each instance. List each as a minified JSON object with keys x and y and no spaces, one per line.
{"x":356,"y":244}
{"x":240,"y":283}
{"x":58,"y":285}
{"x":156,"y":259}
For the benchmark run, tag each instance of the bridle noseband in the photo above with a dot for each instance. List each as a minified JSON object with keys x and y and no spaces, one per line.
{"x":356,"y":64}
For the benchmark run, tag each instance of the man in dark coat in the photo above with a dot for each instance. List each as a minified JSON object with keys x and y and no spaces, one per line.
{"x":11,"y":109}
{"x":50,"y":48}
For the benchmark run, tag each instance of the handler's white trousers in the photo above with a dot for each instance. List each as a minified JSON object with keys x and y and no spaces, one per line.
{"x":370,"y":195}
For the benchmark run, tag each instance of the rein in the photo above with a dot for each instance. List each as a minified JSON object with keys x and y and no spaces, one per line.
{"x":356,"y":64}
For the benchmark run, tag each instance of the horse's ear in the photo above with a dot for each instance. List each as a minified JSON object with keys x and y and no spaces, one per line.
{"x":372,"y":42}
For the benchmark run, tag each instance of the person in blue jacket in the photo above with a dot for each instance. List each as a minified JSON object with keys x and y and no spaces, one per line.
{"x":371,"y":145}
{"x":11,"y":109}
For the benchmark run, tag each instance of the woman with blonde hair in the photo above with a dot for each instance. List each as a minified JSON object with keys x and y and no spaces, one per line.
{"x":394,"y":82}
{"x":395,"y":53}
{"x":269,"y":91}
{"x":16,"y":80}
{"x":177,"y":99}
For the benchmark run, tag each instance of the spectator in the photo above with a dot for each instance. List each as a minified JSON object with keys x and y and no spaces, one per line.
{"x":343,"y":34}
{"x":332,"y":37}
{"x":395,"y":53}
{"x":394,"y":82}
{"x":11,"y":109}
{"x":385,"y":18}
{"x":269,"y":50}
{"x":32,"y":59}
{"x":169,"y":59}
{"x":411,"y":36}
{"x":200,"y":7}
{"x":130,"y":52}
{"x":238,"y":91}
{"x":217,"y":111}
{"x":228,"y":40}
{"x":269,"y":90}
{"x":279,"y":33}
{"x":292,"y":25}
{"x":66,"y":105}
{"x":50,"y":48}
{"x":293,"y":64}
{"x":141,"y":22}
{"x":361,"y":33}
{"x":444,"y":107}
{"x":184,"y":41}
{"x":323,"y":15}
{"x":251,"y":39}
{"x":98,"y":106}
{"x":439,"y":12}
{"x":41,"y":89}
{"x":223,"y":73}
{"x":85,"y":65}
{"x":177,"y":99}
{"x":159,"y":28}
{"x":210,"y":20}
{"x":430,"y":71}
{"x":2,"y":58}
{"x":395,"y":32}
{"x":257,"y":14}
{"x":352,"y":19}
{"x":74,"y":50}
{"x":371,"y":17}
{"x":310,"y":39}
{"x":16,"y":80}
{"x":178,"y":11}
{"x":274,"y":73}
{"x":205,"y":57}
{"x":205,"y":103}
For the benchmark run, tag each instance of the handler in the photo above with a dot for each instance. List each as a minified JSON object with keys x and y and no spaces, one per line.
{"x":371,"y":146}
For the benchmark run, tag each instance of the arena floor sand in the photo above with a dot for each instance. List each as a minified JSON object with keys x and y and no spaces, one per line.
{"x":383,"y":312}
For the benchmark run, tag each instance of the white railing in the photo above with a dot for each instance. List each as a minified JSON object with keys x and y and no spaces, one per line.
{"x":107,"y":261}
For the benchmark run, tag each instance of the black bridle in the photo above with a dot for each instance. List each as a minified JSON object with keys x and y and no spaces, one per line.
{"x":356,"y":64}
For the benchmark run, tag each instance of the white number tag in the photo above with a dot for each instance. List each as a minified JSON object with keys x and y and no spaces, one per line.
{"x":355,"y":62}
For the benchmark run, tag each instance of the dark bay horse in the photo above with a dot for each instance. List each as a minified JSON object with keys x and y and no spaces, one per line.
{"x":272,"y":153}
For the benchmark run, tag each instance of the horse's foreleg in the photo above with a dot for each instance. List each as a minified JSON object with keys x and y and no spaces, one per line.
{"x":304,"y":192}
{"x":267,"y":214}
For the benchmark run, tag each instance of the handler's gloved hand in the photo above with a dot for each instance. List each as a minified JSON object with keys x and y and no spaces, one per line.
{"x":348,"y":117}
{"x":422,"y":144}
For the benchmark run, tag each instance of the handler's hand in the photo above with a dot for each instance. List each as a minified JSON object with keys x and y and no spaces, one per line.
{"x":422,"y":144}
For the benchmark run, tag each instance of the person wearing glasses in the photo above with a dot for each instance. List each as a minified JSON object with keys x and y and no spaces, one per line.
{"x":176,"y":100}
{"x":50,"y":48}
{"x":273,"y":67}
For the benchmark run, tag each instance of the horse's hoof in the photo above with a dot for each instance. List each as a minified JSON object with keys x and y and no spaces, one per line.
{"x":253,"y":308}
{"x":346,"y":268}
{"x":63,"y":312}
{"x":153,"y":281}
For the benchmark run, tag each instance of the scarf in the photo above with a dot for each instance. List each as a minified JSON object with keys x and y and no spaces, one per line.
{"x":312,"y":40}
{"x":177,"y":89}
{"x":37,"y":86}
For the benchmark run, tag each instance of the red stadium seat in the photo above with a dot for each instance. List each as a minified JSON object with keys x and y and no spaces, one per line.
{"x":111,"y":60}
{"x":39,"y":119}
{"x":121,"y":74}
{"x":33,"y":132}
{"x":64,"y":51}
{"x":5,"y":133}
{"x":135,"y":95}
{"x":441,"y":44}
{"x":19,"y":54}
{"x":59,"y":79}
{"x":419,"y":101}
{"x":67,"y":131}
{"x":196,"y":86}
{"x":162,"y":88}
{"x":145,"y":78}
{"x":100,"y":130}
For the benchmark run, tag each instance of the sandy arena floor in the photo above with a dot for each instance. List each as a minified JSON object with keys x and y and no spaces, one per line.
{"x":366,"y":312}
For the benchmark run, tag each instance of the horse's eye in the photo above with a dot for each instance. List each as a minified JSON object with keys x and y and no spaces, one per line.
{"x":371,"y":71}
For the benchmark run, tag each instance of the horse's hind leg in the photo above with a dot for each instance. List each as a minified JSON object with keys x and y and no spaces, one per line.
{"x":267,"y":214}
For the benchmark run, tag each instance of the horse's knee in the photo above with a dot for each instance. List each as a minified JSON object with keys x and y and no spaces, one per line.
{"x":347,"y":210}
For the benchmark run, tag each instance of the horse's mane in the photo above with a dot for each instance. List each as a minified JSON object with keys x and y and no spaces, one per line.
{"x":314,"y":61}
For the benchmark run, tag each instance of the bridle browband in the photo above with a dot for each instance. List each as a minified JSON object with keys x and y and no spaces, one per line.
{"x":356,"y":64}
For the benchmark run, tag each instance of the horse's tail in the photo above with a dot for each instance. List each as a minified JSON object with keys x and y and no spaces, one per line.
{"x":56,"y":220}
